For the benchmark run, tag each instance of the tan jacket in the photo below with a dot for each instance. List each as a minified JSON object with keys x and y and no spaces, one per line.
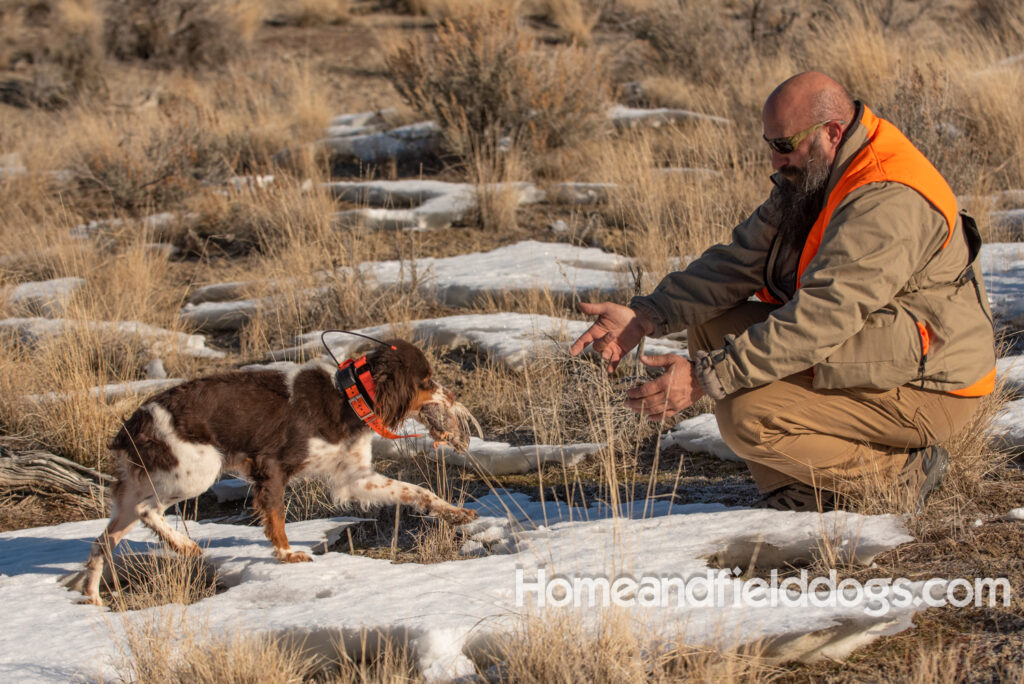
{"x":881,"y":267}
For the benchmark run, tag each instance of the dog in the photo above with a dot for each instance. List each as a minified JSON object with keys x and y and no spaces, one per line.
{"x":270,"y":427}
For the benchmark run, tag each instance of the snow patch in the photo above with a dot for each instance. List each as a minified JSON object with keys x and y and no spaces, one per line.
{"x":699,"y":435}
{"x":46,"y":298}
{"x":32,"y":331}
{"x":442,"y":608}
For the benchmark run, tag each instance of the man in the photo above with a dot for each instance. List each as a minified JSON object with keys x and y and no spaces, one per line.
{"x":873,"y":340}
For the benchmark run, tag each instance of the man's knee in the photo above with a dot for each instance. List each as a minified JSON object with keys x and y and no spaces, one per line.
{"x":740,"y":419}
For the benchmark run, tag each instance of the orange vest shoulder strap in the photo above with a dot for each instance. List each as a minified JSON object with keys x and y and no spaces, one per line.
{"x":888,"y":156}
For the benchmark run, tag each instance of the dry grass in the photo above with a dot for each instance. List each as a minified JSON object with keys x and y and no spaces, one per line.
{"x":149,"y":580}
{"x":485,"y":79}
{"x":181,"y":33}
{"x":309,"y":12}
{"x":515,"y":107}
{"x":576,"y":19}
{"x":50,"y":52}
{"x":561,"y":647}
{"x":198,"y":655}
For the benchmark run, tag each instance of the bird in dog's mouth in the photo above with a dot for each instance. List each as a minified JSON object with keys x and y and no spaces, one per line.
{"x":449,"y":423}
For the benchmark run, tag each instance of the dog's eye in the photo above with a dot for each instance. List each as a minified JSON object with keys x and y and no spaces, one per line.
{"x":427,"y":384}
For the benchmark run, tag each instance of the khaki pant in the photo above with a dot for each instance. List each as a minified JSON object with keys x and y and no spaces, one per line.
{"x":788,"y":431}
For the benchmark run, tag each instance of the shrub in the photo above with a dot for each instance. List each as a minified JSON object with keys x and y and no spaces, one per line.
{"x":310,"y":12}
{"x":188,"y":33}
{"x":483,"y":79}
{"x":50,"y":51}
{"x":148,"y":170}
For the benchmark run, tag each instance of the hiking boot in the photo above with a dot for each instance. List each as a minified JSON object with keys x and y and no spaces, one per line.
{"x":923,"y":472}
{"x":798,"y":497}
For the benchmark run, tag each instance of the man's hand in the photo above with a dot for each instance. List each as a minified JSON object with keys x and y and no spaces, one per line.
{"x":674,"y":391}
{"x":615,"y":332}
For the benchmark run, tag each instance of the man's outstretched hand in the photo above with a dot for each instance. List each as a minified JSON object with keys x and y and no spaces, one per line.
{"x":666,"y":396}
{"x":615,"y":332}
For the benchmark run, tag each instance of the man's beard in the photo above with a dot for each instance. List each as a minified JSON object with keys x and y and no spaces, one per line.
{"x":802,"y":195}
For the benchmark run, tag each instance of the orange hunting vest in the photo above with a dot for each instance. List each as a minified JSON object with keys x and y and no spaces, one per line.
{"x":888,"y":156}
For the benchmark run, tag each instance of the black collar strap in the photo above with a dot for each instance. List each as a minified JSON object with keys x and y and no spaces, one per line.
{"x":355,"y":382}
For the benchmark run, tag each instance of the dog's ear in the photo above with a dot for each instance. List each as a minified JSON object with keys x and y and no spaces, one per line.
{"x":397,"y":373}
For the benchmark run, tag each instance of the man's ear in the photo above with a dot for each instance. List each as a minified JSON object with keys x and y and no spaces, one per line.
{"x":835,"y":130}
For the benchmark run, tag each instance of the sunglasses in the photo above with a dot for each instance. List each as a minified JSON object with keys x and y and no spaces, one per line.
{"x":787,"y":144}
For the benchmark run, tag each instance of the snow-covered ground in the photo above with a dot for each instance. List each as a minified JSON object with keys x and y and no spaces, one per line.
{"x":459,"y":281}
{"x":450,"y":610}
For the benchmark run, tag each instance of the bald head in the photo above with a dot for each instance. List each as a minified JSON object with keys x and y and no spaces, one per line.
{"x":806,"y":99}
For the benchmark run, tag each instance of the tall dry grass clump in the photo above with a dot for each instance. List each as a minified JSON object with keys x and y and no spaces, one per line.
{"x":484,"y":80}
{"x":694,"y":39}
{"x":676,"y":193}
{"x":197,"y":134}
{"x":561,"y":646}
{"x":575,"y":18}
{"x":149,"y":580}
{"x":180,"y":33}
{"x":167,"y":646}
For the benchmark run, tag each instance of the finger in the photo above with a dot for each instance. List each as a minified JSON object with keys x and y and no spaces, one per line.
{"x":647,"y":390}
{"x":660,"y":360}
{"x":593,"y":333}
{"x":590,"y":309}
{"x":651,"y":401}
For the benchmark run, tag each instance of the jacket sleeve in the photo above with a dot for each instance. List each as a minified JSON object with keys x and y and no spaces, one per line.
{"x":722,"y":277}
{"x":877,"y":239}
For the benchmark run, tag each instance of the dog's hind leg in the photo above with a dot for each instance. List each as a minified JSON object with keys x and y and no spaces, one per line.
{"x":122,"y":519}
{"x":375,"y":488}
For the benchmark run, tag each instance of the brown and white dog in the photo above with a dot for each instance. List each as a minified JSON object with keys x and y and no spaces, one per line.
{"x":269,"y":427}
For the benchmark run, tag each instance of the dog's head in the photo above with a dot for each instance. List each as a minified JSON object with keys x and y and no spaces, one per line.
{"x":404,"y":383}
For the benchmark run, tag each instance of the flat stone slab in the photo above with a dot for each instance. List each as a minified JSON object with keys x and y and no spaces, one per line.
{"x":558,"y":268}
{"x":46,"y":297}
{"x":631,"y":117}
{"x":493,"y":458}
{"x":32,"y":331}
{"x":415,"y":141}
{"x":109,"y":392}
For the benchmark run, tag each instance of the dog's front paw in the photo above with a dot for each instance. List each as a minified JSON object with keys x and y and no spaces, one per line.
{"x":289,"y":556}
{"x":458,"y":516}
{"x":91,"y":601}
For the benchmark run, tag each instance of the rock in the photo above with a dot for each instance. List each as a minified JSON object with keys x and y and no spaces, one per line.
{"x":31,"y":331}
{"x":155,"y":370}
{"x":578,"y":193}
{"x":45,"y":298}
{"x":406,"y":143}
{"x":109,"y":392}
{"x":623,"y":117}
{"x":11,"y":165}
{"x":1010,"y":220}
{"x":218,"y":292}
{"x":433,"y":205}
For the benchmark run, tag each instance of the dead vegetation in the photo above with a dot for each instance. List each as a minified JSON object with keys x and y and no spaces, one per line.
{"x":119,"y":110}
